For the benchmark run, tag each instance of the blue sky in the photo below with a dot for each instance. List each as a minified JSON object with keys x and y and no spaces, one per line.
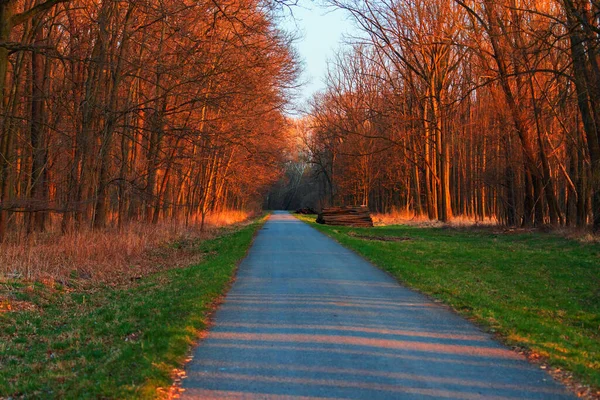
{"x":321,"y":32}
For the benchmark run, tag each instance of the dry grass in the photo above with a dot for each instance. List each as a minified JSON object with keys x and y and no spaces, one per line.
{"x":408,"y":217}
{"x":100,"y":341}
{"x":227,"y":218}
{"x":581,"y":235}
{"x":404,"y":217}
{"x":110,"y":255}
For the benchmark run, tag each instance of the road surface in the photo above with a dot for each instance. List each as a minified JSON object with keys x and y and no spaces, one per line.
{"x":309,"y":319}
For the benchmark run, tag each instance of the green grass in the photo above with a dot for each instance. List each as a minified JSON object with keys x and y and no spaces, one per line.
{"x":538,"y":291}
{"x":114,"y":343}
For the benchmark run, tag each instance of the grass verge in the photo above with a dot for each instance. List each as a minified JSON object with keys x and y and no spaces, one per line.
{"x":107,"y":342}
{"x":537,"y":291}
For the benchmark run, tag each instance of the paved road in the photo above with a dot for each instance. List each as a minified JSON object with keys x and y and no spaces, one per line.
{"x":309,"y":319}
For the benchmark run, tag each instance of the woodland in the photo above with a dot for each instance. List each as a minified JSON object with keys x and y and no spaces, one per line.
{"x":155,"y":110}
{"x":143,"y":110}
{"x":483,"y":110}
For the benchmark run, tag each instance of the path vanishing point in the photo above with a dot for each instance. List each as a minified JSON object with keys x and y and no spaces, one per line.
{"x":309,"y":319}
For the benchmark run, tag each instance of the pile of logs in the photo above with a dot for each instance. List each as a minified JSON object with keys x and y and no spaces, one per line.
{"x":346,"y":216}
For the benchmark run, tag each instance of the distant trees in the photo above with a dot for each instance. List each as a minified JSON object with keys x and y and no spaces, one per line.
{"x":455,"y":107}
{"x":148,"y":109}
{"x":145,"y":109}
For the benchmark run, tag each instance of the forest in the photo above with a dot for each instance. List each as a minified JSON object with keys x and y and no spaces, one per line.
{"x":143,"y":110}
{"x":147,"y":148}
{"x":484,"y":110}
{"x":152,"y":110}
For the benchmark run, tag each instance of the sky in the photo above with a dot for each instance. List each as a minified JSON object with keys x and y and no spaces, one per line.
{"x":320,"y":32}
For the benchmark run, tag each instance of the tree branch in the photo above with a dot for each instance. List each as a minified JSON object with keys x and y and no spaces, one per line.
{"x":25,"y":16}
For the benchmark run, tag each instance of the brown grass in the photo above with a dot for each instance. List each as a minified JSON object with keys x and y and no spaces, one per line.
{"x":408,"y":217}
{"x":110,"y":255}
{"x":403,"y":217}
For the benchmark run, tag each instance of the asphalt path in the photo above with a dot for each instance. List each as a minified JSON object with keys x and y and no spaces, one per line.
{"x":309,"y":319}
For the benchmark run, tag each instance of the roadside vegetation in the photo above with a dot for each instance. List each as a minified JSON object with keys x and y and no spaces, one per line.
{"x":114,"y":339}
{"x":537,"y":291}
{"x":110,"y":255}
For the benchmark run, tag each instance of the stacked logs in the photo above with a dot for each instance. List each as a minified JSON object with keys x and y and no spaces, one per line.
{"x":346,"y":216}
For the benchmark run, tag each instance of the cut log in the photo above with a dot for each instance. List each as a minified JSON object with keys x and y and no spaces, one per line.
{"x":346,"y":216}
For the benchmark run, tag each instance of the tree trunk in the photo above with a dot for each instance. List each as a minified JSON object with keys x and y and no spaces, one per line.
{"x":588,"y":98}
{"x":6,"y":13}
{"x":39,"y":184}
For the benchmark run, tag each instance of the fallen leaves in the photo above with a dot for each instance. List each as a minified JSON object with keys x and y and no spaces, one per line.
{"x":7,"y":305}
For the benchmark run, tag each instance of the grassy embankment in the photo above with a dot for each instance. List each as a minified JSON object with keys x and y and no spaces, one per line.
{"x":537,"y":291}
{"x":113,"y":342}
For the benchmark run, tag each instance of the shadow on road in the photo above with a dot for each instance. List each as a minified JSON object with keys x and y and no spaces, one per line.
{"x":308,"y":319}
